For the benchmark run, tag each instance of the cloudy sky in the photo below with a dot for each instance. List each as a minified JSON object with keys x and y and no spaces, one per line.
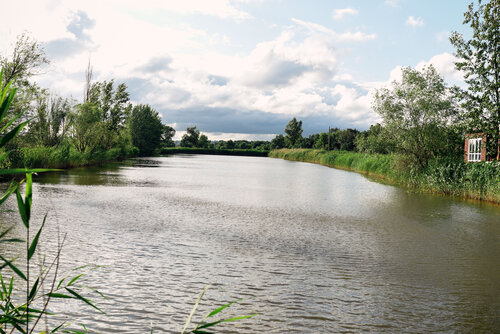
{"x":240,"y":69}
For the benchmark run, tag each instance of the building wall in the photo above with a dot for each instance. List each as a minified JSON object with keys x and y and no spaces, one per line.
{"x":483,"y":145}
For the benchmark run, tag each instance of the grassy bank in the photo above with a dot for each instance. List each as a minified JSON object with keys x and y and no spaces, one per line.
{"x":480,"y":181}
{"x":189,"y":150}
{"x":66,"y":156}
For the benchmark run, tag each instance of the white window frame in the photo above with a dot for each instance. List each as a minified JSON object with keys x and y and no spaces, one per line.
{"x":475,"y":147}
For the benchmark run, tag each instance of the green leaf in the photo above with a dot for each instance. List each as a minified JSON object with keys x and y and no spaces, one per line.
{"x":28,"y":197}
{"x":74,"y":279}
{"x":57,"y":328}
{"x":11,"y":134}
{"x":34,"y":243}
{"x":33,"y":289}
{"x":214,"y":312}
{"x":58,"y":295}
{"x":60,"y":283}
{"x":12,"y":187}
{"x":201,"y":332}
{"x":11,"y":240}
{"x":11,"y":122}
{"x":84,"y":300}
{"x":22,"y":208}
{"x":5,"y":102}
{"x":14,"y":268}
{"x":226,"y":320}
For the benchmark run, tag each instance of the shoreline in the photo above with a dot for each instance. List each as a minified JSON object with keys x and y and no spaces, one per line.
{"x":381,"y":168}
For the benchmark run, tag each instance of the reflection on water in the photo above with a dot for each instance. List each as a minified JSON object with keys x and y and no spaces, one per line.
{"x":311,"y":249}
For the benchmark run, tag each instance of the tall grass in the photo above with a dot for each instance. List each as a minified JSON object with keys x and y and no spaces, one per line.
{"x":480,"y":181}
{"x":66,"y":156}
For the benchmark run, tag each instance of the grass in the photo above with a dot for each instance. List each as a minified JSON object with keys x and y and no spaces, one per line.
{"x":66,"y":156}
{"x":479,"y":181}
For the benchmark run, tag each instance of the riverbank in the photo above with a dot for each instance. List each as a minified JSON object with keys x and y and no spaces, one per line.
{"x":66,"y":156}
{"x":478,"y":181}
{"x":210,"y":151}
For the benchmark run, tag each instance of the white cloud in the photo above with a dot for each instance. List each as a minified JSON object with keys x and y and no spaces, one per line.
{"x":339,"y":14}
{"x":415,"y":21}
{"x":445,"y":65}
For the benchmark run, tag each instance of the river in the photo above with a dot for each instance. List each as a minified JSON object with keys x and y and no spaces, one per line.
{"x":309,"y":248}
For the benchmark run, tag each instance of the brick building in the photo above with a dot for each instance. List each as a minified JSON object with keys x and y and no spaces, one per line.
{"x":475,"y":147}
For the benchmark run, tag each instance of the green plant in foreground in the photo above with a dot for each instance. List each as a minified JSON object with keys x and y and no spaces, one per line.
{"x":16,"y":310}
{"x":201,"y":327}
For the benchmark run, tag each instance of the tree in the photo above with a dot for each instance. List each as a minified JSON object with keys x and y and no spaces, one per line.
{"x":146,"y":129}
{"x":190,"y":139}
{"x":374,"y":140}
{"x":113,"y":105}
{"x":203,"y":142}
{"x":278,"y":142}
{"x":346,"y":139}
{"x":49,"y":126}
{"x":26,"y":59}
{"x":85,"y":127}
{"x":293,"y":131}
{"x":479,"y":59}
{"x":167,"y":134}
{"x":321,"y":142}
{"x":416,"y":112}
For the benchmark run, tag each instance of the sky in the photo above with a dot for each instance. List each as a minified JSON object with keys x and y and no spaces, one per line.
{"x":240,"y":69}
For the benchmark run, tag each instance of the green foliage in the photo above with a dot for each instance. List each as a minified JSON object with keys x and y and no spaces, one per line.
{"x":203,"y":142}
{"x":190,"y":139}
{"x":479,"y":60}
{"x":416,"y":112}
{"x":293,"y":133}
{"x":146,"y":129}
{"x":375,"y":140}
{"x":278,"y":142}
{"x":87,"y":131}
{"x":49,"y":125}
{"x":167,"y":134}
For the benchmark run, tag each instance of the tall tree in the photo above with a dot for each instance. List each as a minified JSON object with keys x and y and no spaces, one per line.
{"x":479,"y":59}
{"x":416,"y":112}
{"x":25,"y":61}
{"x":293,"y":131}
{"x":191,"y":138}
{"x":167,"y":134}
{"x":146,"y":129}
{"x":49,"y":126}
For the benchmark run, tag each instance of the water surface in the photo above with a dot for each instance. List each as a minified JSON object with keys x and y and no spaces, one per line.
{"x":311,"y":249}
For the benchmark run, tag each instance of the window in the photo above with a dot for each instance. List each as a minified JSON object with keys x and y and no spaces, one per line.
{"x":474,"y":149}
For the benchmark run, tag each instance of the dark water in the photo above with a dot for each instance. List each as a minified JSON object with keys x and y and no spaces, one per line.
{"x":309,"y":248}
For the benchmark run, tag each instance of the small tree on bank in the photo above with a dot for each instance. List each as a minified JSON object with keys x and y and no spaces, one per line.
{"x":415,"y":113}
